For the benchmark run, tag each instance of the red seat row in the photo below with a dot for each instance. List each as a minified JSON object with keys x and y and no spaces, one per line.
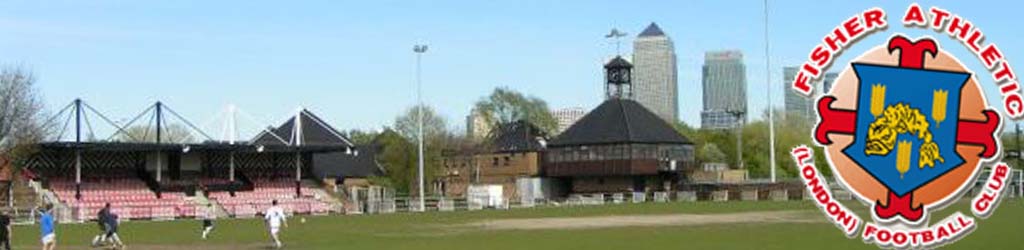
{"x":254,"y":202}
{"x":130,"y":198}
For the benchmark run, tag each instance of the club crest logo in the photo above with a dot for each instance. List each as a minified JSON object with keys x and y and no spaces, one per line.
{"x":907,"y":130}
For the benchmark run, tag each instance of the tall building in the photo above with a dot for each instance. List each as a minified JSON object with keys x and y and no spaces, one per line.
{"x":477,"y":126}
{"x":724,"y":80}
{"x":655,"y":73}
{"x":797,"y":105}
{"x":567,"y":116}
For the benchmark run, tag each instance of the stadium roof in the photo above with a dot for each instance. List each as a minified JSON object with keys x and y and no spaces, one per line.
{"x":618,"y":121}
{"x":206,"y":146}
{"x":315,"y":134}
{"x":312,"y":132}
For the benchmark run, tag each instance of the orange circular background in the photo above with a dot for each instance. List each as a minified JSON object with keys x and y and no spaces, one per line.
{"x":972,"y":103}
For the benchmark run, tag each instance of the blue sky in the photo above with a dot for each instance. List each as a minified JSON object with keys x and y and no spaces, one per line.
{"x":352,"y":62}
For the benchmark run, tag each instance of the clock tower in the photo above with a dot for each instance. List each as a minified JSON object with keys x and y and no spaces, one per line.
{"x":617,"y":74}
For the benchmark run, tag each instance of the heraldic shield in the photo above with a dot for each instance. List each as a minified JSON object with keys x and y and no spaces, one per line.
{"x":906,"y":124}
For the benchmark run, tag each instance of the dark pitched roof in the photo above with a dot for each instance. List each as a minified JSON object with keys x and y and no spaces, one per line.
{"x":652,"y":31}
{"x":617,"y":62}
{"x":359,"y":163}
{"x":619,"y":121}
{"x":518,"y":136}
{"x":315,"y":132}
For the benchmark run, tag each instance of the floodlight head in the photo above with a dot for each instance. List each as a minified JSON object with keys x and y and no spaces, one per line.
{"x":419,"y":48}
{"x":186,"y":148}
{"x":259,"y":148}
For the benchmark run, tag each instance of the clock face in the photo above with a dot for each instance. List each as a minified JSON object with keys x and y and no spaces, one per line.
{"x":618,"y":76}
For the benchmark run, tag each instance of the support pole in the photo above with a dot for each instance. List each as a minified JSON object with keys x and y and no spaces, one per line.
{"x":159,"y":166}
{"x":739,"y":137}
{"x":78,"y":152}
{"x":1017,"y":152}
{"x":159,"y":159}
{"x":232,"y":126}
{"x":159,"y":173}
{"x":1017,"y":141}
{"x":298,"y":153}
{"x":298,"y":174}
{"x":78,"y":120}
{"x":78,"y":174}
{"x":739,"y":141}
{"x":232,"y":137}
{"x":159,"y":121}
{"x":231,"y":166}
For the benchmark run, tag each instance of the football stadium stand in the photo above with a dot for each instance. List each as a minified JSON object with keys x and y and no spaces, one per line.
{"x":146,"y":173}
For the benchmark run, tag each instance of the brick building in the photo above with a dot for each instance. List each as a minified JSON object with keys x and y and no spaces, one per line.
{"x":510,"y":157}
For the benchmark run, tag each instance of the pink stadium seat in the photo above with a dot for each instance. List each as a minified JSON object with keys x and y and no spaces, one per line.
{"x":265,"y":191}
{"x":130,"y":198}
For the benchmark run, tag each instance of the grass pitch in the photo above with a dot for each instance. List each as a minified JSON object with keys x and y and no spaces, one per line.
{"x":468,"y":230}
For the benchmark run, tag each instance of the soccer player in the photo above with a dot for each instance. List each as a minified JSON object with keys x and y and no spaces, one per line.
{"x":47,"y":229}
{"x":101,"y":220}
{"x":111,"y":233}
{"x":209,"y":214}
{"x":5,"y":230}
{"x":275,"y":218}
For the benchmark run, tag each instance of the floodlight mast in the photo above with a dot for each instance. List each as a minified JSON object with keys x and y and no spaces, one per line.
{"x":419,"y":49}
{"x":768,"y":81}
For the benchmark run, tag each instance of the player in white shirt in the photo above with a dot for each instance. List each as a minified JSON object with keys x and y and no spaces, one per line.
{"x":209,"y":214}
{"x":275,"y":218}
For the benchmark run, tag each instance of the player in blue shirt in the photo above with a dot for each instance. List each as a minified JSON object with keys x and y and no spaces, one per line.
{"x":47,"y":228}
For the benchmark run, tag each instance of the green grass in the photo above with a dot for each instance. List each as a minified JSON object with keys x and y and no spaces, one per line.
{"x":436,"y":230}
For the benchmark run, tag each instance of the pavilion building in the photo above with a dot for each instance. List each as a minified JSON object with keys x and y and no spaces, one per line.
{"x":620,"y":146}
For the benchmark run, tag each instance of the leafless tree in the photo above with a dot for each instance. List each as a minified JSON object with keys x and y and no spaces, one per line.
{"x":21,"y":111}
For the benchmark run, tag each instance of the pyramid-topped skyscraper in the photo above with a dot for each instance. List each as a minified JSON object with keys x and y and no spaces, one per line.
{"x":655,"y":80}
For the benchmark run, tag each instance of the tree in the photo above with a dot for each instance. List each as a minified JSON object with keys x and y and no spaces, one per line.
{"x":790,"y":131}
{"x":360,"y":137}
{"x":1009,"y":141}
{"x":435,"y":135}
{"x":435,"y":127}
{"x":710,"y":153}
{"x":722,"y":143}
{"x":689,"y":132}
{"x":505,"y":106}
{"x":21,"y":115}
{"x":171,"y":133}
{"x":398,"y":157}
